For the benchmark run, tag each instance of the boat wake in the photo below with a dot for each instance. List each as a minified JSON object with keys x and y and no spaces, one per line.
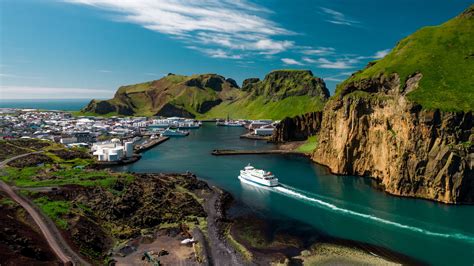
{"x":297,"y":194}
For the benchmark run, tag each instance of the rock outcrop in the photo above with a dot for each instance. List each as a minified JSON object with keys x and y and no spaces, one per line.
{"x":372,"y":129}
{"x":297,"y":128}
{"x":280,"y":84}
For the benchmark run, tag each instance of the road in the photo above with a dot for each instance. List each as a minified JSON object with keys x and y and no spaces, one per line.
{"x":49,"y":230}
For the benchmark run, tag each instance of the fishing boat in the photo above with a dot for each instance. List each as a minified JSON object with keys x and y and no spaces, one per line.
{"x":174,"y":133}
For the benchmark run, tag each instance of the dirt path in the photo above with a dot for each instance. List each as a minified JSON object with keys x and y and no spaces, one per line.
{"x":49,"y":230}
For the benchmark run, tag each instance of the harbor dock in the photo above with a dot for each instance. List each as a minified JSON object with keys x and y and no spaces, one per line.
{"x":150,"y":144}
{"x":253,"y":152}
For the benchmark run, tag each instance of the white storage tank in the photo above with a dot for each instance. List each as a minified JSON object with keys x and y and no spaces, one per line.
{"x":128,"y":149}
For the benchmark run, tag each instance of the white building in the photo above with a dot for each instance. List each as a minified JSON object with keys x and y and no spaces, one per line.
{"x":264,"y":131}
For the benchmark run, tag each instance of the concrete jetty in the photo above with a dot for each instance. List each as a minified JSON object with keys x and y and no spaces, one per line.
{"x":253,"y":152}
{"x":150,"y":144}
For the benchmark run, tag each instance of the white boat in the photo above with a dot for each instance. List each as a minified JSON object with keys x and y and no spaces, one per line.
{"x":174,"y":132}
{"x":258,"y":176}
{"x":229,"y":123}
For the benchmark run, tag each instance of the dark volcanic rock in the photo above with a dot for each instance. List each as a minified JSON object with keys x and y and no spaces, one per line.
{"x":21,"y":244}
{"x":30,"y":160}
{"x":297,"y":128}
{"x":232,"y":82}
{"x":248,"y":84}
{"x":207,"y":105}
{"x":169,"y":110}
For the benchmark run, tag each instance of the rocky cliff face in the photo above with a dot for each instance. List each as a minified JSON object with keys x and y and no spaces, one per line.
{"x":372,"y":129}
{"x":297,"y":128}
{"x":280,"y":84}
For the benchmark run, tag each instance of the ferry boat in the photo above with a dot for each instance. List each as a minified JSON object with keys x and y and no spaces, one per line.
{"x":258,"y":176}
{"x":174,"y":133}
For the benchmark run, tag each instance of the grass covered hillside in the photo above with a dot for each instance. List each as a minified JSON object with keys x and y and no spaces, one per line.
{"x":443,"y":54}
{"x":185,"y":96}
{"x":281,"y":94}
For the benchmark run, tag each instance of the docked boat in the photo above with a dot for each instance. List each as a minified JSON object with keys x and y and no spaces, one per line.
{"x":258,"y":176}
{"x":229,"y":123}
{"x":174,"y":133}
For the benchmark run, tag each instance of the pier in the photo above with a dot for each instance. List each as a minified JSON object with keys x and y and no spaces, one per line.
{"x":254,"y":152}
{"x":150,"y":144}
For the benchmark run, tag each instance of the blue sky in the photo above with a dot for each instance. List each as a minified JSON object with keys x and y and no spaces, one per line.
{"x":88,"y":48}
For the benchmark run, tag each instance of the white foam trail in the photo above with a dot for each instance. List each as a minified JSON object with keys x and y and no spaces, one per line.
{"x":332,"y":207}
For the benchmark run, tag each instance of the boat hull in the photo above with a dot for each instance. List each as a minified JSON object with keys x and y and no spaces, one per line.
{"x":267,"y":183}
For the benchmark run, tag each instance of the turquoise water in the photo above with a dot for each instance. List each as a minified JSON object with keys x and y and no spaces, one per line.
{"x":46,"y":104}
{"x":341,"y":206}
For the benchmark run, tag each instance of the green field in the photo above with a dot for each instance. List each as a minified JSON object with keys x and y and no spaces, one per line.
{"x":260,"y":108}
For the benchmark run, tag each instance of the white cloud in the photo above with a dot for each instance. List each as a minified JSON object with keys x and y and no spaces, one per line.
{"x":229,"y":24}
{"x":25,"y":92}
{"x":336,"y":17}
{"x":332,"y":79}
{"x":309,"y":60}
{"x":290,"y":61}
{"x":105,"y":71}
{"x":338,"y":64}
{"x":319,"y":51}
{"x":381,"y":54}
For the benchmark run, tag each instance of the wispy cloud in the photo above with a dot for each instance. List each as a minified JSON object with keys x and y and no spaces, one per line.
{"x":318,"y":51}
{"x":219,"y":53}
{"x":336,"y":17}
{"x":290,"y":61}
{"x":239,"y":25}
{"x":105,"y":71}
{"x":25,"y":92}
{"x":381,"y":54}
{"x":333,"y":79}
{"x":338,"y":64}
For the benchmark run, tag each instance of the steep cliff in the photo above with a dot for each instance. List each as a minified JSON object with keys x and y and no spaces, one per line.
{"x":173,"y":95}
{"x":297,"y":128}
{"x":412,"y":151}
{"x":281,"y":94}
{"x":406,"y":123}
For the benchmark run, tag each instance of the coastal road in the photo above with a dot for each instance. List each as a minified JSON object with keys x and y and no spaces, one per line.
{"x":49,"y":230}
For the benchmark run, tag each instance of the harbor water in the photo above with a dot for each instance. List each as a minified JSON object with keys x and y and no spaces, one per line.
{"x":345,"y":207}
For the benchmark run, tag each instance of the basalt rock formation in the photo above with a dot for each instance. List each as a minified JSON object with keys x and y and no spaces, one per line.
{"x":376,"y":131}
{"x":297,"y":128}
{"x":405,"y":120}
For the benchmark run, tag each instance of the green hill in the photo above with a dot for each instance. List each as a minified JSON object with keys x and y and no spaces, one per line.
{"x":282,"y":93}
{"x":443,"y":54}
{"x":186,"y":96}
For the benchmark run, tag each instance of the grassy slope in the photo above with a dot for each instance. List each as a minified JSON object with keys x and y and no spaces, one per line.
{"x":444,"y":55}
{"x":310,"y":145}
{"x":259,"y":109}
